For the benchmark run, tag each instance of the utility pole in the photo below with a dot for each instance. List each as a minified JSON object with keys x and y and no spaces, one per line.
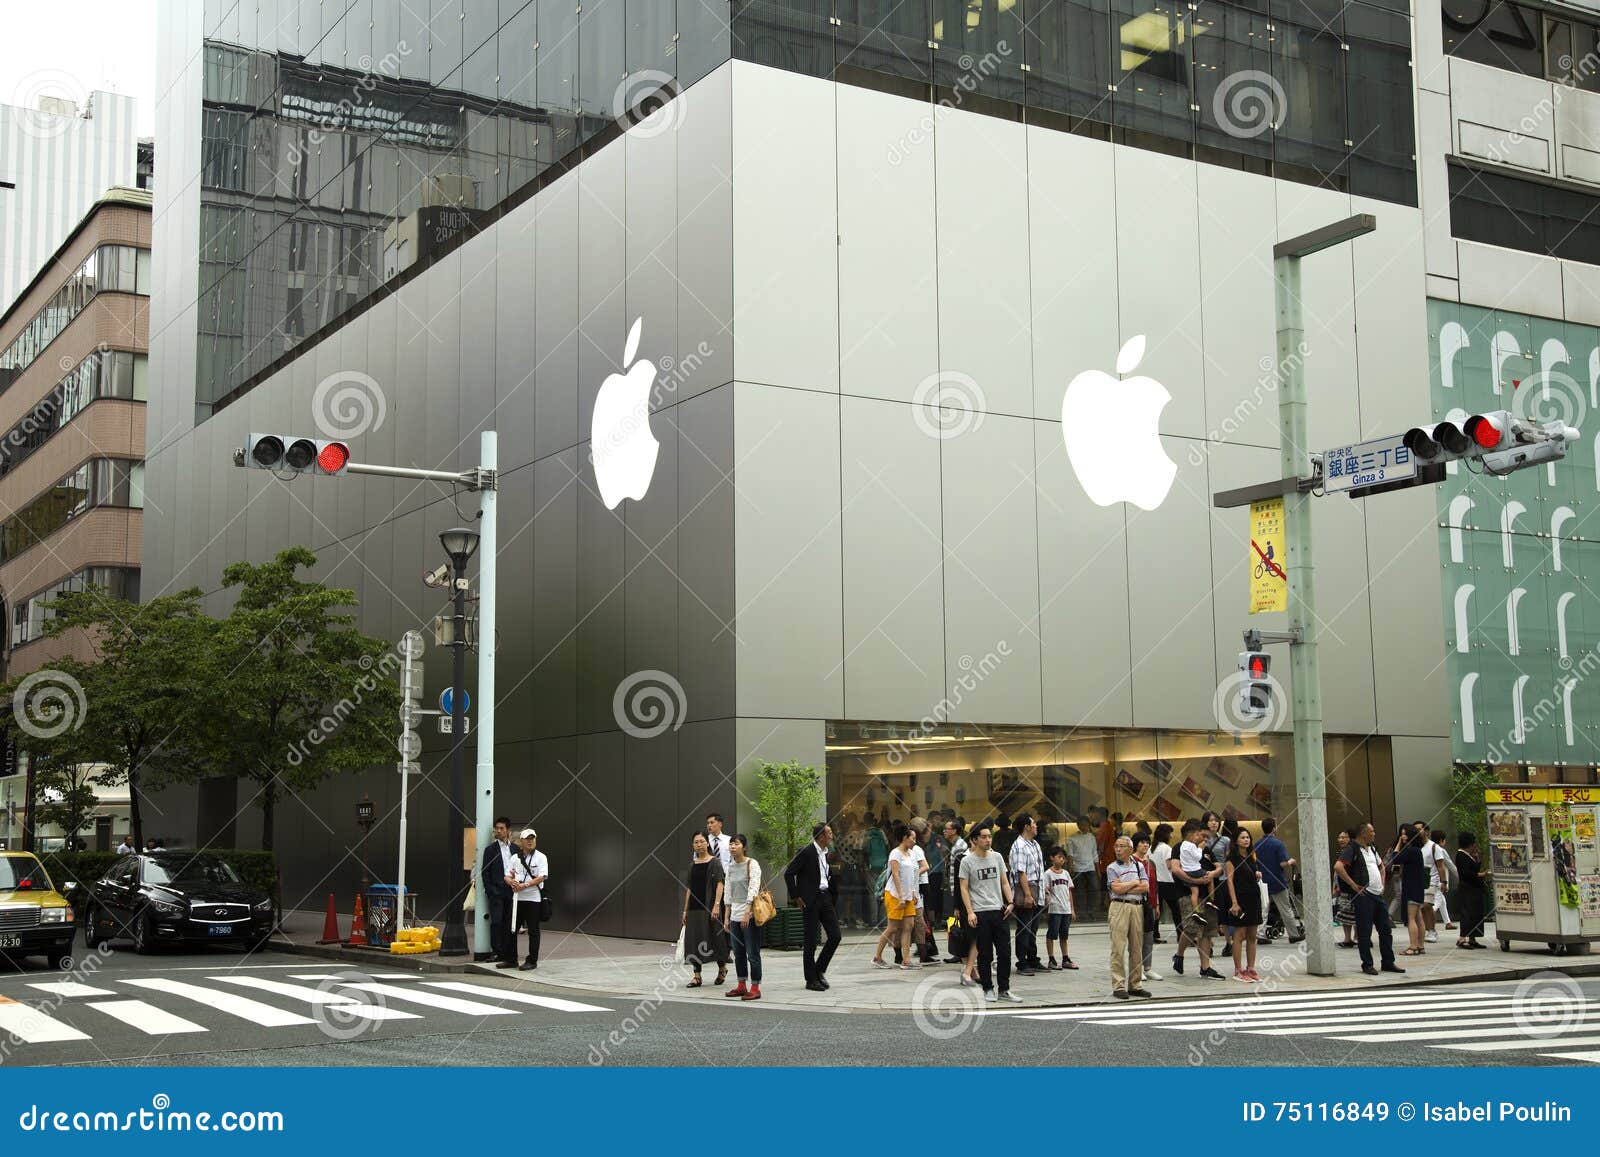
{"x":1310,"y":786}
{"x":489,"y":461}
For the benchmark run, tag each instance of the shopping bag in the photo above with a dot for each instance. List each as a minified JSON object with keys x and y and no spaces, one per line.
{"x":677,"y":953}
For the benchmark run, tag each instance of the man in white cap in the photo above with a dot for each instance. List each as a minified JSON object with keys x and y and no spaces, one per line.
{"x":529,"y":871}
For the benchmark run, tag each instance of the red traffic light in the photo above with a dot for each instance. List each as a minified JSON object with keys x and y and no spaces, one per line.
{"x":1258,"y":666}
{"x":1484,"y":432}
{"x":333,"y":457}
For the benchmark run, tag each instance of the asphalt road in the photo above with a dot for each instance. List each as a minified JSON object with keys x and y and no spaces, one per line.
{"x":224,"y":1008}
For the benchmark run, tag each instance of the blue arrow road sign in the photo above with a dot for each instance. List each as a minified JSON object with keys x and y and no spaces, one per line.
{"x":445,"y":703}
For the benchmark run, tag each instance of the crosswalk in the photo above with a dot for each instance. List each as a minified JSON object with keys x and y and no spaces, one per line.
{"x":1459,"y":1020}
{"x":65,"y":1011}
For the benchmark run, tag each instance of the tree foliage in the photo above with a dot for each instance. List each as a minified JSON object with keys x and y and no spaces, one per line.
{"x":789,"y":798}
{"x":306,"y":695}
{"x":137,"y":709}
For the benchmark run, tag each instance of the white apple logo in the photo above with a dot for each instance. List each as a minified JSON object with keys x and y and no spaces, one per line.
{"x":1112,"y":430}
{"x":621,"y":445}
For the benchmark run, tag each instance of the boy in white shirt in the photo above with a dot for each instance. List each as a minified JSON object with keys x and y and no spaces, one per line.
{"x":1057,"y":888}
{"x":529,"y":871}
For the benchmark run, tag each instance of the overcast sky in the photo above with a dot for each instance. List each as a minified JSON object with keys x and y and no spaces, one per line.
{"x":69,"y":48}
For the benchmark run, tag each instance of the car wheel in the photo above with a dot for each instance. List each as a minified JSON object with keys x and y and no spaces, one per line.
{"x":91,"y":930}
{"x":144,"y":936}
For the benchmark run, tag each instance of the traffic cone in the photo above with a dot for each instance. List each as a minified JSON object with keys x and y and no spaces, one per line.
{"x":330,"y":925}
{"x":358,"y":925}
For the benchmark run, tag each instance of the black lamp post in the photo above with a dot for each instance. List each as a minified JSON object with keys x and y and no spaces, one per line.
{"x":459,"y":543}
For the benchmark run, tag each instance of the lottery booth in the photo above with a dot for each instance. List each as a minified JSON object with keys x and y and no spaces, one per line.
{"x":1545,"y":869}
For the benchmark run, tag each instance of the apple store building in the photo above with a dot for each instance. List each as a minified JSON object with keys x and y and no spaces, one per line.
{"x":863,"y":374}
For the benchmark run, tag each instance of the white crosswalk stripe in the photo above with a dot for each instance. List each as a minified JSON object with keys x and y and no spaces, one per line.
{"x":345,"y":1002}
{"x":30,"y":1026}
{"x":71,"y":1011}
{"x":1436,"y":1018}
{"x":356,"y":976}
{"x":147,"y":1018}
{"x":265,"y":1015}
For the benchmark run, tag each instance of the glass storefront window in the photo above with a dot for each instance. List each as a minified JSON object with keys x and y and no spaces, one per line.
{"x":880,"y":772}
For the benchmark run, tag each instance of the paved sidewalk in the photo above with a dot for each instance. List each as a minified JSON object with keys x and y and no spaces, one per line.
{"x":621,"y":967}
{"x":633,"y":967}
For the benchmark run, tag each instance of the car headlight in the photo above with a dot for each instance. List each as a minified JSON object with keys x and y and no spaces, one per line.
{"x":167,"y":909}
{"x":55,"y":915}
{"x":264,"y":906}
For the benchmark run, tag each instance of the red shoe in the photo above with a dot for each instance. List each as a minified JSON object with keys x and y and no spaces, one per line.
{"x":753,"y":994}
{"x":737,"y":990}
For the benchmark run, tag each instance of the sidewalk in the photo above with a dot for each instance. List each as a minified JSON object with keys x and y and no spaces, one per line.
{"x":619,"y":967}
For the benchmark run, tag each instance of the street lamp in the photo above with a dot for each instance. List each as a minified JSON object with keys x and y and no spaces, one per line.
{"x":459,"y":543}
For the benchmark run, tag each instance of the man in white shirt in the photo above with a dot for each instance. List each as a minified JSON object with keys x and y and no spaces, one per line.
{"x":124,"y":848}
{"x":1441,"y":879}
{"x":529,"y":872}
{"x":1361,"y":871}
{"x":1082,"y":853}
{"x":718,"y":843}
{"x":497,"y":895}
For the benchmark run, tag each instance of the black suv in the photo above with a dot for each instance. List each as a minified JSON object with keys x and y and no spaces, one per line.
{"x":176,"y":897}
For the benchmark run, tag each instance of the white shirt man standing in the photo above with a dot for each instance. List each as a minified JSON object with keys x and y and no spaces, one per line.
{"x":717,"y":841}
{"x":530,"y":870}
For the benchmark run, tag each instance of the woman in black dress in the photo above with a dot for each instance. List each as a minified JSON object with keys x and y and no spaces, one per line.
{"x":702,"y":905}
{"x":1244,"y":904}
{"x":1407,"y":860}
{"x":1470,"y":894}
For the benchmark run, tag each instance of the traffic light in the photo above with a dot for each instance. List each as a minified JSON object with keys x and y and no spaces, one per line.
{"x":288,"y":453}
{"x":1255,"y":689}
{"x":1499,"y":439}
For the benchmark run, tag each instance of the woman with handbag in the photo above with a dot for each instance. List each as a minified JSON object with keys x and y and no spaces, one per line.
{"x":743,"y":896}
{"x":702,"y":906}
{"x":529,"y":871}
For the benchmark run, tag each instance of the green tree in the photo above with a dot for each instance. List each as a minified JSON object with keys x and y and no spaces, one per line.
{"x":64,"y":795}
{"x":303,"y":694}
{"x":1469,"y":812}
{"x":137,"y":708}
{"x":789,"y":797}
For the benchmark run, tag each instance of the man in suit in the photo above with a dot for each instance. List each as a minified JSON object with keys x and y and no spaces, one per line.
{"x":808,"y":882}
{"x":498,"y":895}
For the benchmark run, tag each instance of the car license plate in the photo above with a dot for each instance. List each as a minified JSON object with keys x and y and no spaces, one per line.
{"x":222,"y":930}
{"x":10,"y":942}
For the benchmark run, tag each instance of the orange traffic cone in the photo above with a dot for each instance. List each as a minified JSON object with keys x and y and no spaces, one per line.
{"x":330,"y":925}
{"x":358,"y":925}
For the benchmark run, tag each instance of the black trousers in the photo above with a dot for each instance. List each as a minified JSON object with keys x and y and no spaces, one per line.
{"x":1169,"y":893}
{"x":819,"y":918}
{"x":527,"y":917}
{"x":1027,"y":935}
{"x":502,"y":944}
{"x":1372,"y":912}
{"x":994,"y":938}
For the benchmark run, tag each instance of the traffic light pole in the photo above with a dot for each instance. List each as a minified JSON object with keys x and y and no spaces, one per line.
{"x":1294,"y":447}
{"x":489,"y":460}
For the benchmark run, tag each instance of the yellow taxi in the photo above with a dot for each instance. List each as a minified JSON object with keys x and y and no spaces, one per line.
{"x":35,"y":919}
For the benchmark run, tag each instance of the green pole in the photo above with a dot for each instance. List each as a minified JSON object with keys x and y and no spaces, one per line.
{"x":1310,"y":785}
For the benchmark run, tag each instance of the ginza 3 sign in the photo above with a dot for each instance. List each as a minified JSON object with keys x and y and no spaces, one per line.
{"x":1112,"y":429}
{"x":621,"y":445}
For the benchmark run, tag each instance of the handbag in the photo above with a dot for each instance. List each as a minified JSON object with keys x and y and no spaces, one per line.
{"x":763,"y":908}
{"x":547,"y":909}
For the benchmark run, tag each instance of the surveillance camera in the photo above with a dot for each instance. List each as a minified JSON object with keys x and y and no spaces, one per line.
{"x":437,"y":578}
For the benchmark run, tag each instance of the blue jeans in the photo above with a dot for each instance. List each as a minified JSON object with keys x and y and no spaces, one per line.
{"x":746,"y":950}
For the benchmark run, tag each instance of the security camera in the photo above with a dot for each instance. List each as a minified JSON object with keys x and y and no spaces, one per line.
{"x":437,"y":578}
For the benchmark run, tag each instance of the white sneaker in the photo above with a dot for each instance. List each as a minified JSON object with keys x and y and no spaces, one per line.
{"x":1152,"y":974}
{"x":1012,"y":997}
{"x":1432,"y":937}
{"x":991,"y":996}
